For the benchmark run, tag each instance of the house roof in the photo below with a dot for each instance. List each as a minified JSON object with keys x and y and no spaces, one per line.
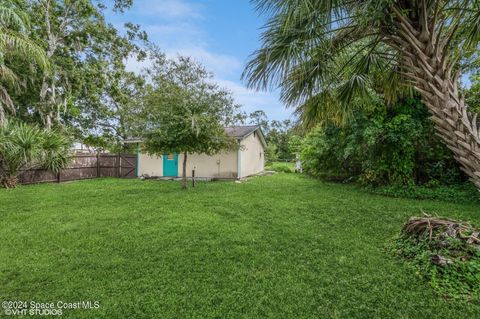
{"x":239,"y":132}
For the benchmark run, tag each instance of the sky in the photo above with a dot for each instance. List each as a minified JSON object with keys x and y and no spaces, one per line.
{"x":221,"y":34}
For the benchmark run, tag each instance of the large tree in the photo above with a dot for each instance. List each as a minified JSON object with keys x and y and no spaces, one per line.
{"x":83,"y":48}
{"x":15,"y":43}
{"x":324,"y":53}
{"x":82,"y":89}
{"x":185,"y":112}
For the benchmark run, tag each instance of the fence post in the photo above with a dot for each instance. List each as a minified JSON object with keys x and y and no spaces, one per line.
{"x":98,"y":164}
{"x":118,"y":164}
{"x":59,"y":179}
{"x":193,"y":178}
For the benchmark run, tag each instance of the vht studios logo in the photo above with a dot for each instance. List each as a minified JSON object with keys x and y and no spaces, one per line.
{"x":33,"y":312}
{"x":33,"y":308}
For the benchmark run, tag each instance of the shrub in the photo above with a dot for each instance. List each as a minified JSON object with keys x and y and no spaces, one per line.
{"x":24,"y":147}
{"x":271,"y":153}
{"x":464,"y":193}
{"x":382,"y":146}
{"x":281,"y":167}
{"x":444,"y":252}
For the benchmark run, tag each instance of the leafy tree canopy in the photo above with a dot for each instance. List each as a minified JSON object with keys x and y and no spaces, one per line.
{"x":185,"y":112}
{"x":15,"y":43}
{"x":325,"y":53}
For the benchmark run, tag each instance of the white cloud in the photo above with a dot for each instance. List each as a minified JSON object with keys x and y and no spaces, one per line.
{"x":252,"y":100}
{"x":172,"y":29}
{"x":133,"y":65}
{"x":175,"y":25}
{"x":171,"y":9}
{"x":221,"y":65}
{"x":177,"y":31}
{"x":174,"y":35}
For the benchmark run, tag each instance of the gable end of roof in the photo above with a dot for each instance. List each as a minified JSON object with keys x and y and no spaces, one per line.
{"x":242,"y":132}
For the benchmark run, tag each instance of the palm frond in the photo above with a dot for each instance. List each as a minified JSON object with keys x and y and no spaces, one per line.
{"x":472,"y":26}
{"x":8,"y":76}
{"x":5,"y":100}
{"x":289,"y":35}
{"x":321,"y":109}
{"x":23,"y":146}
{"x":13,"y":19}
{"x":356,"y":85}
{"x":12,"y":42}
{"x":54,"y":154}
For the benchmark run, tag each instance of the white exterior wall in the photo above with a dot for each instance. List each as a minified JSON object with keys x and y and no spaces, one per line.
{"x":221,"y":165}
{"x":150,"y":165}
{"x":252,"y":155}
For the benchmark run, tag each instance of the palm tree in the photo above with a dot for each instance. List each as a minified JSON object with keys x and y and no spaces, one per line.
{"x":14,"y":43}
{"x":24,"y":147}
{"x":324,"y":53}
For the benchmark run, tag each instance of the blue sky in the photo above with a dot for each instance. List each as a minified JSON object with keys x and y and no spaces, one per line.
{"x":219,"y":33}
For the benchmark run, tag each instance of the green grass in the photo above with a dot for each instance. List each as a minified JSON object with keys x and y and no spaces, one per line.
{"x":465,"y":193}
{"x":284,"y":167}
{"x":282,"y":246}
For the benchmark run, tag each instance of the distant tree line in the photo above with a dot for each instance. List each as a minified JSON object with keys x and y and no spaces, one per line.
{"x":64,"y":78}
{"x":281,"y":136}
{"x":331,"y":61}
{"x":376,"y":145}
{"x":382,"y":145}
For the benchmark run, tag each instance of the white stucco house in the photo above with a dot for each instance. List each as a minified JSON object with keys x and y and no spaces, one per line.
{"x":247,"y":160}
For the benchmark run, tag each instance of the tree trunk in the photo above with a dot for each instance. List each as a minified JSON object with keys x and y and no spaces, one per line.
{"x":55,"y":36}
{"x":9,"y":181}
{"x":2,"y":114}
{"x":430,"y":71}
{"x":454,"y":125}
{"x":184,"y":169}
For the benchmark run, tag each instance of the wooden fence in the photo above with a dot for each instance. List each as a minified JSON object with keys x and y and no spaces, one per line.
{"x":85,"y":166}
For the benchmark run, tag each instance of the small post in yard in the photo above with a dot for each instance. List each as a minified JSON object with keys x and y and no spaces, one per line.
{"x":59,"y":178}
{"x":193,"y":177}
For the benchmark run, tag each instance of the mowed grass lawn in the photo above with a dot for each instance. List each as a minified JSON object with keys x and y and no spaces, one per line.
{"x":282,"y":246}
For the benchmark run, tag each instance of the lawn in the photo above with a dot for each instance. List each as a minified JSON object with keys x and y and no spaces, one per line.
{"x":281,"y":246}
{"x":285,"y":167}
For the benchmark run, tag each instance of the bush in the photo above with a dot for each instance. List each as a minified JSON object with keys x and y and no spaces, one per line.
{"x":271,"y":153}
{"x":24,"y":147}
{"x":444,"y":252}
{"x":323,"y":154}
{"x":281,"y":167}
{"x":464,"y":193}
{"x":382,"y":146}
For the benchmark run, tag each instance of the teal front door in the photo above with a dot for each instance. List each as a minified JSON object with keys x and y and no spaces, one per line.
{"x":170,"y":164}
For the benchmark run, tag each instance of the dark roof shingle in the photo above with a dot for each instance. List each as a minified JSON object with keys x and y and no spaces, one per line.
{"x":240,"y":131}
